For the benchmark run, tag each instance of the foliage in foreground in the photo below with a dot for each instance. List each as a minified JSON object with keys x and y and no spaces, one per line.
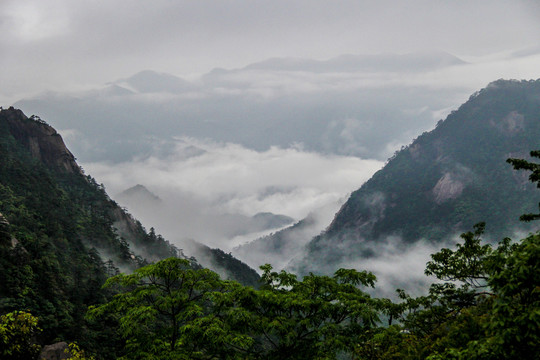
{"x":169,"y":310}
{"x":486,"y":306}
{"x":17,"y":330}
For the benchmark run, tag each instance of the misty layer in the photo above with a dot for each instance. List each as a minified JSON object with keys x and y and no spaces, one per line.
{"x":224,"y":195}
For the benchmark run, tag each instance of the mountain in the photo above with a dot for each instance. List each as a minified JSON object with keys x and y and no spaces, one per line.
{"x":225,"y":264}
{"x":279,"y":248}
{"x":443,"y":183}
{"x":61,"y":235}
{"x":412,"y":62}
{"x":332,"y":106}
{"x":148,"y":81}
{"x":138,"y":193}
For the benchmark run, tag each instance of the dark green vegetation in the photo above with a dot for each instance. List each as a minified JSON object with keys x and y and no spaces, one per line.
{"x":443,"y":183}
{"x":61,"y":236}
{"x":484,"y":306}
{"x":225,"y":264}
{"x":57,"y":231}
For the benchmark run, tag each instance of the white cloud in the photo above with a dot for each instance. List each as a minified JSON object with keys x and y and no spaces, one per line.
{"x":400,"y":265}
{"x":31,"y":21}
{"x":203,"y":183}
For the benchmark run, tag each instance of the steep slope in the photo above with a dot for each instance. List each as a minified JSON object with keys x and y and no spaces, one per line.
{"x":31,"y":145}
{"x":278,"y":248}
{"x":444,"y":182}
{"x":226,"y":265}
{"x":61,"y":235}
{"x":32,"y":142}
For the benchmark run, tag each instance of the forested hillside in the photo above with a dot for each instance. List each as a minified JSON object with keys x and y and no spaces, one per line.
{"x":444,"y":182}
{"x":61,"y":235}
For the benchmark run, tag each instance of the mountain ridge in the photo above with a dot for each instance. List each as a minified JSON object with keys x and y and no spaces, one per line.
{"x":445,"y":181}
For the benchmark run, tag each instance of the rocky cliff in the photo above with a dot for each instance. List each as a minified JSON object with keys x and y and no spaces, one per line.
{"x":41,"y":140}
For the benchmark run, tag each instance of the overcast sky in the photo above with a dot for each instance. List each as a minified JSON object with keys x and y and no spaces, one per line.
{"x":59,"y":44}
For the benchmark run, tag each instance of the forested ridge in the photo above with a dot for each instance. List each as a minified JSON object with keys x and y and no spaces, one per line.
{"x":58,"y":241}
{"x":444,"y":182}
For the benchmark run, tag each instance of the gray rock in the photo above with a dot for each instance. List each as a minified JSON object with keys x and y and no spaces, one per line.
{"x":5,"y":237}
{"x":58,"y":351}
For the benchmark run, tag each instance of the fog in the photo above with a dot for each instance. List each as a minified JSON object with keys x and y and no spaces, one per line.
{"x":210,"y":191}
{"x":400,"y":265}
{"x":364,"y":106}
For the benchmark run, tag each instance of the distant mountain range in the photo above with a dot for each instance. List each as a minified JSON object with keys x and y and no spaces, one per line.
{"x":412,"y":62}
{"x":333,"y":106}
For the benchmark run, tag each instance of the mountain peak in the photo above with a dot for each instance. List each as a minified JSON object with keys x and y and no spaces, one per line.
{"x":138,"y":192}
{"x":149,"y":81}
{"x":42,"y":141}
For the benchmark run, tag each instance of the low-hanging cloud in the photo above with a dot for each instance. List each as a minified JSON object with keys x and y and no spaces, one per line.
{"x":365,"y":106}
{"x":341,"y":111}
{"x":400,"y":265}
{"x":208,"y":190}
{"x":396,"y":263}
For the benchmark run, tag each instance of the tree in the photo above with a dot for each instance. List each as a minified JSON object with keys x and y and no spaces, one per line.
{"x":522,"y":164}
{"x":17,"y":332}
{"x":492,"y":312}
{"x":513,"y":327}
{"x":153,"y":305}
{"x":168,"y":310}
{"x":316,"y":318}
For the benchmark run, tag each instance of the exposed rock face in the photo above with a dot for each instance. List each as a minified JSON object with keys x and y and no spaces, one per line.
{"x":43,"y":142}
{"x":58,"y":351}
{"x":4,"y":230}
{"x":447,"y":188}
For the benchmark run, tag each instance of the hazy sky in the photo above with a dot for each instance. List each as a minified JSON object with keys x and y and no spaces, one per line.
{"x":58,"y":44}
